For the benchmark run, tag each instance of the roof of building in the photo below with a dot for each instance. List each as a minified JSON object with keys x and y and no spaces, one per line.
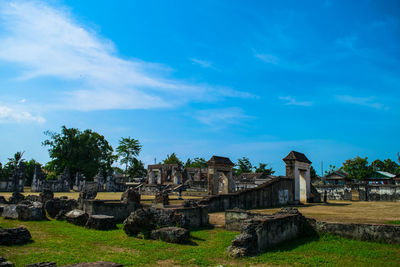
{"x":294,"y":155}
{"x":338,"y":173}
{"x":387,"y":174}
{"x":220,"y":161}
{"x":252,"y":176}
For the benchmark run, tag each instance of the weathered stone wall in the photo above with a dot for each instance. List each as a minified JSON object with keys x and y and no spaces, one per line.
{"x":365,"y":232}
{"x":196,"y":216}
{"x":278,"y":192}
{"x":235,"y":218}
{"x":120,"y":211}
{"x":363,"y":192}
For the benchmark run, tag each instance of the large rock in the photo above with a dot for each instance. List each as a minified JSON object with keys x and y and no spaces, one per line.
{"x":14,"y":236}
{"x":46,"y":195}
{"x":130,"y":195}
{"x":88,"y":193}
{"x":161,"y":198}
{"x":77,"y":217}
{"x":57,"y":208}
{"x":3,"y":200}
{"x":171,"y":234}
{"x":147,"y":219}
{"x":33,"y":212}
{"x":101,"y":222}
{"x":33,"y":198}
{"x":5,"y":263}
{"x":10,"y":212}
{"x":16,"y":198}
{"x":95,"y":264}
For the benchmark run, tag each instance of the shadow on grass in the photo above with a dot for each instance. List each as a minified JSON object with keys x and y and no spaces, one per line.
{"x":292,"y":244}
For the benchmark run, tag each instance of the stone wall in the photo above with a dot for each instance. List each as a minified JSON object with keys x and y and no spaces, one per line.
{"x":365,"y":232}
{"x":196,"y":216}
{"x":363,"y":192}
{"x":119,"y":210}
{"x":278,"y":192}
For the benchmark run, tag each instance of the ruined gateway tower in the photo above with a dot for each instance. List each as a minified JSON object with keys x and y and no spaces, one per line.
{"x":298,"y":168}
{"x":220,"y":179}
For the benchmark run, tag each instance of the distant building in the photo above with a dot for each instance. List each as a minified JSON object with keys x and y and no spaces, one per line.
{"x":335,"y":177}
{"x":381,"y":177}
{"x":251,"y":180}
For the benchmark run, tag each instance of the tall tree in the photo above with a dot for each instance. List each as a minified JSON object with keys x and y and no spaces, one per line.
{"x":243,"y":165}
{"x":137,"y":169}
{"x":196,"y":163}
{"x":128,"y":149}
{"x":262,"y":168}
{"x":16,"y":160}
{"x":87,"y":152}
{"x":173,"y":159}
{"x":357,"y":168}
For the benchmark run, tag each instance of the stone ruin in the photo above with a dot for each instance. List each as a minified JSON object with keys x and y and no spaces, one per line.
{"x":16,"y":181}
{"x":220,"y":176}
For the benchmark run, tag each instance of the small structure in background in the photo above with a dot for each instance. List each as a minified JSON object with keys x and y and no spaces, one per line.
{"x":220,"y":178}
{"x":251,"y":180}
{"x":335,"y":177}
{"x":381,"y":177}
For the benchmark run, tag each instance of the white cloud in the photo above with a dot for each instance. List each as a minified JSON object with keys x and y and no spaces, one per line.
{"x":47,"y":42}
{"x":8,"y":114}
{"x":221,"y":117}
{"x":290,"y":101}
{"x":268,"y":58}
{"x":362,"y":101}
{"x":203,"y":63}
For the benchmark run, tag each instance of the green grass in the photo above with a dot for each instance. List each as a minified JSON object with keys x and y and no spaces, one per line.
{"x":393,"y":222}
{"x":67,"y":244}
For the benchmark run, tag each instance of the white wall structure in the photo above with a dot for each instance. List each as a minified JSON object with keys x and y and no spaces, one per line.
{"x":298,"y":168}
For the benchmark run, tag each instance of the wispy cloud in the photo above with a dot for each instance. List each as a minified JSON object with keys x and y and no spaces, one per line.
{"x":290,"y":101}
{"x":362,"y":101}
{"x":203,"y":63}
{"x":8,"y":114}
{"x":221,"y":117}
{"x":47,"y":42}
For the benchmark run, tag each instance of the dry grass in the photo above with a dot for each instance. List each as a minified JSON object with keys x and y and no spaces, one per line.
{"x":338,"y":211}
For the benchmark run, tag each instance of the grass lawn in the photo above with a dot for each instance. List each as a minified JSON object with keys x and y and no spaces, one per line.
{"x":66,"y":244}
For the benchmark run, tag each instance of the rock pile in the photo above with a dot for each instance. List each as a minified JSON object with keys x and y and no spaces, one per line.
{"x":14,"y":236}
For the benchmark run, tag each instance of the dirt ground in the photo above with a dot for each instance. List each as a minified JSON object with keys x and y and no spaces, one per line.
{"x":337,"y":211}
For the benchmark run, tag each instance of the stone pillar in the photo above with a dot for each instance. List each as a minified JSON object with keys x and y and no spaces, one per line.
{"x":159,"y":181}
{"x":152,"y":177}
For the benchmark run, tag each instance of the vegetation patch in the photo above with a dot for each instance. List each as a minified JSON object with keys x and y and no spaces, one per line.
{"x":67,"y":244}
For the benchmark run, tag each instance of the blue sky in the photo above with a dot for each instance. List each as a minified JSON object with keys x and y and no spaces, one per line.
{"x":203,"y":78}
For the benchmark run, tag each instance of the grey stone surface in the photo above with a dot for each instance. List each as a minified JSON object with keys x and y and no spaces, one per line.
{"x":147,"y":219}
{"x":171,"y":234}
{"x":57,"y":208}
{"x":14,"y":236}
{"x":10,"y":212}
{"x":32,"y":198}
{"x":46,"y":195}
{"x":32,"y":212}
{"x":5,"y":263}
{"x":161,"y":198}
{"x":77,"y":217}
{"x":42,"y":264}
{"x":16,"y":198}
{"x":130,"y":195}
{"x":101,"y":222}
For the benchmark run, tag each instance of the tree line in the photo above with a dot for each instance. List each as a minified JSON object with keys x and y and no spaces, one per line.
{"x":359,"y":168}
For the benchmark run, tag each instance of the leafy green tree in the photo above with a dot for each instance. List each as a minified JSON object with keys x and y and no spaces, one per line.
{"x":16,"y":160}
{"x":357,"y":168}
{"x":137,"y":169}
{"x":196,"y":163}
{"x":128,"y":149}
{"x":387,"y":165}
{"x":87,"y":152}
{"x":331,"y":169}
{"x":243,"y":165}
{"x":30,"y":170}
{"x":262,"y":168}
{"x":172,"y":159}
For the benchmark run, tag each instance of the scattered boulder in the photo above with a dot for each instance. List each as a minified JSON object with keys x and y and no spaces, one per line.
{"x":95,"y":264}
{"x":3,"y":200}
{"x":77,"y":217}
{"x":42,"y":264}
{"x":190,"y":203}
{"x":57,"y":208}
{"x":46,"y":195}
{"x":161,"y":198}
{"x":32,"y":212}
{"x":16,"y":198}
{"x":171,"y":234}
{"x":145,"y":220}
{"x":10,"y":212}
{"x":33,"y":198}
{"x":101,"y":222}
{"x":14,"y":236}
{"x":88,"y":193}
{"x":5,"y":263}
{"x":130,"y":195}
